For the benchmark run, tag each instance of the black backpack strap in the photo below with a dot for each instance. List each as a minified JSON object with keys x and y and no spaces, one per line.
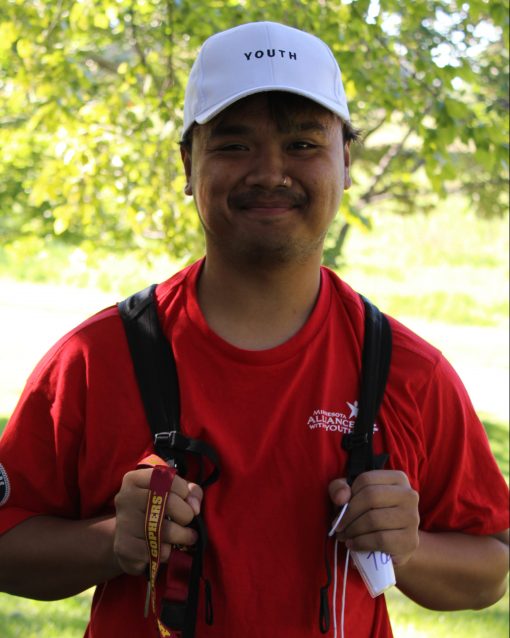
{"x":376,"y":359}
{"x":156,"y":374}
{"x":375,"y":365}
{"x":153,"y":361}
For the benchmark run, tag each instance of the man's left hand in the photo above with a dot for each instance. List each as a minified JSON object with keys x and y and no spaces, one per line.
{"x":382,"y":514}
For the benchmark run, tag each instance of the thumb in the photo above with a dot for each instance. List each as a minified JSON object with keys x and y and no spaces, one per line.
{"x":339,"y":491}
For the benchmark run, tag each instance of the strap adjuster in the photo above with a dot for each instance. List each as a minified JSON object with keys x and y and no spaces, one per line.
{"x":354,"y":440}
{"x":165,"y":446}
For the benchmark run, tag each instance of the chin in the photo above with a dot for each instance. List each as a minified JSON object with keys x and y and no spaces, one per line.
{"x":275,"y":254}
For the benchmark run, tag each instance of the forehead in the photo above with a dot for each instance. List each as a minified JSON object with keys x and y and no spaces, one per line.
{"x":288,"y":111}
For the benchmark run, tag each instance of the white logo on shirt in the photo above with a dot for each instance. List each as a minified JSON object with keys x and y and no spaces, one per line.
{"x":335,"y":421}
{"x":353,"y":408}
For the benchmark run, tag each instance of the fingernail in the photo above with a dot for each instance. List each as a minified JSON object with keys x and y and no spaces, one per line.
{"x":194,"y":503}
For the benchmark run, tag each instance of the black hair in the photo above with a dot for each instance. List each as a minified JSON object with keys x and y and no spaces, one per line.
{"x":282,"y":107}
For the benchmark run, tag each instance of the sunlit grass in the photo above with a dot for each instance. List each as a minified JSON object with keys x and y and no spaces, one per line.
{"x":498,"y":437}
{"x":448,"y":266}
{"x":412,"y":621}
{"x":40,"y":619}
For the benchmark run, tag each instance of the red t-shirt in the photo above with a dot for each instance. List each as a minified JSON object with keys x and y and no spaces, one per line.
{"x":276,"y":419}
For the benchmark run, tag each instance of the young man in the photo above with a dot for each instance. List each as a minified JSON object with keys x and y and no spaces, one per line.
{"x":267,"y":346}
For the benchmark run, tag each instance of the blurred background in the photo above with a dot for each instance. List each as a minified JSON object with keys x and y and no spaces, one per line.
{"x":92,"y":206}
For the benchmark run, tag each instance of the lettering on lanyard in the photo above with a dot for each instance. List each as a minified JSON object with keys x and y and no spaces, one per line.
{"x":159,"y":490}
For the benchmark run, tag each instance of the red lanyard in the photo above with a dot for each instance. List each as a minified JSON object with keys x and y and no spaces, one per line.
{"x":159,"y":490}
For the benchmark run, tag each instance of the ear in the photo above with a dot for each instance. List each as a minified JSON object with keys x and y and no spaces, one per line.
{"x":186,"y":162}
{"x":347,"y":166}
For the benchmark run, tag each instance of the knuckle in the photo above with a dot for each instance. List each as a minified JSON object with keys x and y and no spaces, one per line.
{"x":372,"y":518}
{"x":180,"y":487}
{"x":412,"y":495}
{"x":380,"y":540}
{"x":128,"y":478}
{"x":402,"y":477}
{"x":180,"y":535}
{"x":190,"y":515}
{"x":179,"y":511}
{"x":362,"y":481}
{"x":185,"y":517}
{"x":375,"y":494}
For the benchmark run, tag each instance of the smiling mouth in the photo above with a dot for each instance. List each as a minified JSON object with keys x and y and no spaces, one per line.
{"x":268,"y":209}
{"x":271,"y":205}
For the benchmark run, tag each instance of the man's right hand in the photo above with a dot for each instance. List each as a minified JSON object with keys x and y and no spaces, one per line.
{"x":183,"y":505}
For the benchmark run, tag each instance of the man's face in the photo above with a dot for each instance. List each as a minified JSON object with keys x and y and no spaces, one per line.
{"x":235,"y":172}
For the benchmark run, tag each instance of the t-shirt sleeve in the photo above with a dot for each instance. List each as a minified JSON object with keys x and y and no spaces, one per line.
{"x":461,"y":486}
{"x":40,"y":447}
{"x":77,"y":429}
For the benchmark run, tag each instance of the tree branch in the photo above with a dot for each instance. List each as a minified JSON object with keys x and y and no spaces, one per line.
{"x":384,"y":165}
{"x":375,"y":128}
{"x":170,"y":32}
{"x":54,"y":22}
{"x":103,"y":63}
{"x":141,"y":53}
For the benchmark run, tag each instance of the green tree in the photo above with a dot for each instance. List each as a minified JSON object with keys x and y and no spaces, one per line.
{"x":91,"y":95}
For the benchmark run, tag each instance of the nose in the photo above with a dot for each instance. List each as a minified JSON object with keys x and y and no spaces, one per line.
{"x":267,"y":168}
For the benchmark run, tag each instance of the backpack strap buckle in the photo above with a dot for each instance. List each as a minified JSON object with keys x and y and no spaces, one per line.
{"x":355,"y":440}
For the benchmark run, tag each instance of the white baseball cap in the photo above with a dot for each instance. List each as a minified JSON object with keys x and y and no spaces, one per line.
{"x":258,"y":57}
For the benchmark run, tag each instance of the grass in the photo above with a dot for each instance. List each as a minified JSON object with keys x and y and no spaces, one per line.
{"x":103,"y":270}
{"x":412,"y":621}
{"x":449,"y":266}
{"x":68,"y":618}
{"x":498,"y":437}
{"x":450,"y":269}
{"x":20,"y":617}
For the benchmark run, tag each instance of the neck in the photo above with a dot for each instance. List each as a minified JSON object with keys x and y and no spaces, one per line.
{"x":256,"y":308}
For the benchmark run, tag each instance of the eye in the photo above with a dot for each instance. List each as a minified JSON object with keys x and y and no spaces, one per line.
{"x":302,"y":145}
{"x":233,"y":147}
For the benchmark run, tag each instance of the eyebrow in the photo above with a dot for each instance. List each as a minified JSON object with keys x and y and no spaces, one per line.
{"x":223,"y":129}
{"x":312,"y":125}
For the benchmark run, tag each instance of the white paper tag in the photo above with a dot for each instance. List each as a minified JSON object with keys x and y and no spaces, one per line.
{"x":376,"y":569}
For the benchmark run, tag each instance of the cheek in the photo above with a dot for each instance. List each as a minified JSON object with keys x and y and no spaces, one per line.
{"x":329,"y":184}
{"x":209,"y":193}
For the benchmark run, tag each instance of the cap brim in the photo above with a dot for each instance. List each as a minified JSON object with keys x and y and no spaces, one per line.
{"x":207,"y":115}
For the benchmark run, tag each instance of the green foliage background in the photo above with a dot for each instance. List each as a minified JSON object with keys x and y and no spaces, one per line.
{"x":91,"y":95}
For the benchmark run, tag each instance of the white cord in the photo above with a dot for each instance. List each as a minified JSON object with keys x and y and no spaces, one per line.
{"x":335,"y":584}
{"x":344,"y":591}
{"x":333,"y":529}
{"x":336,"y":522}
